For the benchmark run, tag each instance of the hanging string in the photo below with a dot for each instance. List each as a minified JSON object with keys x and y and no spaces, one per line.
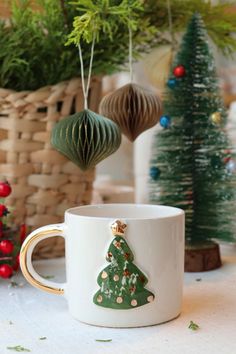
{"x":130,"y":54}
{"x":169,"y":12}
{"x":85,"y":88}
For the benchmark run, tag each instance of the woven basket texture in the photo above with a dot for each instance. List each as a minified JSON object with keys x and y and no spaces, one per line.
{"x":44,"y":182}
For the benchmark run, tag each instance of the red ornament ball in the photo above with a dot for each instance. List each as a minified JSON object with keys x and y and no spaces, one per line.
{"x":5,"y":189}
{"x":179,"y":71}
{"x":6,"y":271}
{"x":3,"y":210}
{"x":227,"y":159}
{"x":6,"y":246}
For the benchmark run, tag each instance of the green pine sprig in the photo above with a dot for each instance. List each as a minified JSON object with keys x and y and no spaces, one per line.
{"x":193,"y":326}
{"x":219,"y":19}
{"x":18,"y":348}
{"x":103,"y":17}
{"x":103,"y":340}
{"x":32,"y":43}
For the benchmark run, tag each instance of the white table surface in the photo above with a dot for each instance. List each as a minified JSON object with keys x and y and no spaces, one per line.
{"x":211,"y":303}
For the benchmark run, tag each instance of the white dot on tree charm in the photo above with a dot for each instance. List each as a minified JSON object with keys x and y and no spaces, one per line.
{"x":99,"y":298}
{"x":150,"y":298}
{"x":119,"y":300}
{"x":116,"y":277}
{"x":134,"y":302}
{"x":104,"y":275}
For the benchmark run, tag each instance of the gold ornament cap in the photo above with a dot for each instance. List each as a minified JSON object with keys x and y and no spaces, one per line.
{"x":216,"y":117}
{"x":118,"y":227}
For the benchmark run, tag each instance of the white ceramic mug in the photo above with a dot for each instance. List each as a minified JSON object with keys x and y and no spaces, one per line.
{"x":124,"y":263}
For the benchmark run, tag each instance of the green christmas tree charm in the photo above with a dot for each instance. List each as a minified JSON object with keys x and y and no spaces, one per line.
{"x":192,"y":153}
{"x":122,"y":284}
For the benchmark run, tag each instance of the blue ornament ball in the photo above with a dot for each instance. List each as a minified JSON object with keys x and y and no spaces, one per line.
{"x":172,"y":83}
{"x":165,"y":121}
{"x":231,"y":166}
{"x":155,"y":173}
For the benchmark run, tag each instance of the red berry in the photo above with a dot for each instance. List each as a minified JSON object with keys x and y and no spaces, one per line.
{"x":6,"y":271}
{"x":1,"y":229}
{"x":3,"y":210}
{"x":22,"y":232}
{"x":179,"y":71}
{"x":17,"y":262}
{"x":15,"y":267}
{"x":18,"y":258}
{"x":5,"y":189}
{"x":6,"y":246}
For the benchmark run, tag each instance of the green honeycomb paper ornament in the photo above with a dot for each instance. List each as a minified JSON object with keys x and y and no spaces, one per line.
{"x":86,"y":138}
{"x":122,"y":284}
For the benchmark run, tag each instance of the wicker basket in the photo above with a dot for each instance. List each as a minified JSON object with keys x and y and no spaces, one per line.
{"x":44,"y":182}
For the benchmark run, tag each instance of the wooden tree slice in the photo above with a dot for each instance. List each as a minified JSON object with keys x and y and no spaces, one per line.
{"x":202,"y":258}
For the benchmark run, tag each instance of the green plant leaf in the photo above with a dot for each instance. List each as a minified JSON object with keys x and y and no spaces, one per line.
{"x":48,"y":276}
{"x":103,"y":340}
{"x":193,"y":326}
{"x":18,"y":348}
{"x":32,"y":44}
{"x":104,"y":18}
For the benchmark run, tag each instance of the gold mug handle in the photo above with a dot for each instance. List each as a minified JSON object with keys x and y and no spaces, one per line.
{"x":26,"y":258}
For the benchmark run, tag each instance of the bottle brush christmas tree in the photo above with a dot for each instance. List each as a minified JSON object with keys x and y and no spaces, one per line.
{"x":191,"y":165}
